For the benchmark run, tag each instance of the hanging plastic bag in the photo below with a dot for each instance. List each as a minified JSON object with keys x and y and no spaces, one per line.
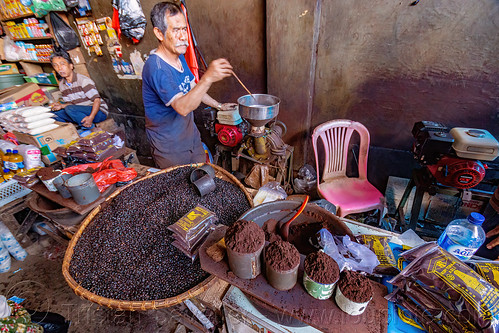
{"x":49,"y":5}
{"x":132,"y":19}
{"x":348,"y":254}
{"x":65,"y":35}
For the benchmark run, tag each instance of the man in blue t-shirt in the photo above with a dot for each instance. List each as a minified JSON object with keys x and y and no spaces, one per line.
{"x":170,"y":93}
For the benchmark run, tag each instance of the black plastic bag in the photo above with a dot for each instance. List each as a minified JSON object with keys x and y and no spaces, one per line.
{"x":51,"y":322}
{"x":64,"y":34}
{"x":132,"y":19}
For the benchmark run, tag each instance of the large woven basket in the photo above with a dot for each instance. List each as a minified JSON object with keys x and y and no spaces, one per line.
{"x":139,"y":305}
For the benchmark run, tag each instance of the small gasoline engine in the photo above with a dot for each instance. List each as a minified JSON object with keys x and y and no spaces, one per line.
{"x":454,"y":156}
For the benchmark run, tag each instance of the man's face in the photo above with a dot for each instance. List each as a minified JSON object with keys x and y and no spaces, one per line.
{"x":62,"y":66}
{"x":175,"y":39}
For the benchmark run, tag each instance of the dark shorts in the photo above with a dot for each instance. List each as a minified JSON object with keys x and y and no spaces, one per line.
{"x":166,"y":160}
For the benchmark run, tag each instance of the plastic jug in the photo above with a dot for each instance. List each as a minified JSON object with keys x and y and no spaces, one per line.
{"x":31,"y":155}
{"x":463,"y":237}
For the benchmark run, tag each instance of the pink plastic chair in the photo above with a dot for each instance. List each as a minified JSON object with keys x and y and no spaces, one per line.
{"x":348,"y":194}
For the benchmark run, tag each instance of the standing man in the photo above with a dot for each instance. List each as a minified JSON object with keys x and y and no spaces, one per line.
{"x":170,"y":93}
{"x":82,"y":104}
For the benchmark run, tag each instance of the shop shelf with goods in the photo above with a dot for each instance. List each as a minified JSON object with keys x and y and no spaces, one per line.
{"x":31,"y":34}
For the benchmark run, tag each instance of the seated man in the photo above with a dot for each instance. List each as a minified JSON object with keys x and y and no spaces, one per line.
{"x":82,"y":103}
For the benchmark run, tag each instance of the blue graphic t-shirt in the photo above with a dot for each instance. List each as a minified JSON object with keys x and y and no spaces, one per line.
{"x":167,"y":131}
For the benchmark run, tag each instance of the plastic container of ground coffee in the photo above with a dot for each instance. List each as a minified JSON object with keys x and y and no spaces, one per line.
{"x":320,"y":275}
{"x":353,"y":293}
{"x":244,"y":241}
{"x":282,"y":260}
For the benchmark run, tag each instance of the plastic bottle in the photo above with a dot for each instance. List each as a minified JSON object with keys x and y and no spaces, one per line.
{"x":6,"y":159}
{"x":463,"y":237}
{"x":7,"y":174}
{"x":16,"y":162}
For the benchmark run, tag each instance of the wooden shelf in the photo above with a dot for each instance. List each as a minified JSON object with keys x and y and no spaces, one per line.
{"x":31,"y":38}
{"x":36,"y":61}
{"x":5,"y":19}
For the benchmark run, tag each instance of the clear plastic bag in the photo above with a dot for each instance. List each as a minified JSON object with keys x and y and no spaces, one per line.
{"x":271,"y":191}
{"x":348,"y":254}
{"x":306,"y":182}
{"x":12,"y":51}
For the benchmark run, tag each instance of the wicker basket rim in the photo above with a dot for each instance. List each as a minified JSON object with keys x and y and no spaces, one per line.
{"x":139,"y":305}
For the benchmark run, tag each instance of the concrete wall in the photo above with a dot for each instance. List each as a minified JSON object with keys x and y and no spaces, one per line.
{"x":384,"y":63}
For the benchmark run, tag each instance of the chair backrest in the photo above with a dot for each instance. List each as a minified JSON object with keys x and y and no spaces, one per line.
{"x":335,"y":136}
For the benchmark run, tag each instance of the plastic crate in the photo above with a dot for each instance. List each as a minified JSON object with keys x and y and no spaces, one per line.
{"x":12,"y":190}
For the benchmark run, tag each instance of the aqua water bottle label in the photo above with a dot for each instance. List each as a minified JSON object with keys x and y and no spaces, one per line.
{"x":458,"y":250}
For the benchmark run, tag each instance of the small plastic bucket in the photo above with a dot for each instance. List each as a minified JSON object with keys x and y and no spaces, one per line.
{"x":83,"y":188}
{"x":348,"y":306}
{"x":316,"y":289}
{"x":245,"y":265}
{"x":281,"y":280}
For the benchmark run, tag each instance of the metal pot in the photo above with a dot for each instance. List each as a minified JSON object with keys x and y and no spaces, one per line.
{"x":258,"y":109}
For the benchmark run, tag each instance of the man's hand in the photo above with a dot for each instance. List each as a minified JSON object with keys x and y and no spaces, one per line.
{"x":493,"y":243}
{"x":87,"y":121}
{"x":57,"y":106}
{"x":228,"y":106}
{"x":218,"y":70}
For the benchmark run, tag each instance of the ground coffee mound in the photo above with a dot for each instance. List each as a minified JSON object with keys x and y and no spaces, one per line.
{"x":321,"y":268}
{"x":126,"y":252}
{"x":47,"y":173}
{"x":282,"y":256}
{"x":270,"y":230}
{"x":355,"y":286}
{"x":244,"y":237}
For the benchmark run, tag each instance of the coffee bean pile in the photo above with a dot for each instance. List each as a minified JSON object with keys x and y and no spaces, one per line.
{"x":125,"y":253}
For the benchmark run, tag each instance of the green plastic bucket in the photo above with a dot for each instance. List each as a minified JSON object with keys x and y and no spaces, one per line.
{"x":10,"y":80}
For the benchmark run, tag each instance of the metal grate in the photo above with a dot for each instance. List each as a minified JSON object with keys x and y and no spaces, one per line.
{"x":12,"y":190}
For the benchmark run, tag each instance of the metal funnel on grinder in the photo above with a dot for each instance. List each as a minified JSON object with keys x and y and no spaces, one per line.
{"x":258,"y":110}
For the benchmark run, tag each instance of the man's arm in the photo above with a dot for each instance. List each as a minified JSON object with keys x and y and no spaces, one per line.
{"x":218,"y":70}
{"x":88,"y":120}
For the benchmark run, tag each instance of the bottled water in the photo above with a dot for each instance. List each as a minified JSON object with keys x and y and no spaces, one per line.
{"x":463,"y":237}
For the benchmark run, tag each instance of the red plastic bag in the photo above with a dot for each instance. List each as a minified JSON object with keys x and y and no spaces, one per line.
{"x":105,"y":173}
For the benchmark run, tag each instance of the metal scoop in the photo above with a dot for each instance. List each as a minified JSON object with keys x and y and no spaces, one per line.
{"x":284,"y":229}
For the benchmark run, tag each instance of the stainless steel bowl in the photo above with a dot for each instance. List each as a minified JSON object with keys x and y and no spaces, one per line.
{"x":258,"y":109}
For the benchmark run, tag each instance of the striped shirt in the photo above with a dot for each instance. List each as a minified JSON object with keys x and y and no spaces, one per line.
{"x":81,"y":91}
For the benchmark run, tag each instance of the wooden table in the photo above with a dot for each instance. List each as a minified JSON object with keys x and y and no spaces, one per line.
{"x":42,"y":190}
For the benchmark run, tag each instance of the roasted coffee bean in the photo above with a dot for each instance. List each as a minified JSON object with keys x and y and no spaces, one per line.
{"x":126,"y":253}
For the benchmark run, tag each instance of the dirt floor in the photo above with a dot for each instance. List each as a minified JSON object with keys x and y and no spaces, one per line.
{"x":38,"y":279}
